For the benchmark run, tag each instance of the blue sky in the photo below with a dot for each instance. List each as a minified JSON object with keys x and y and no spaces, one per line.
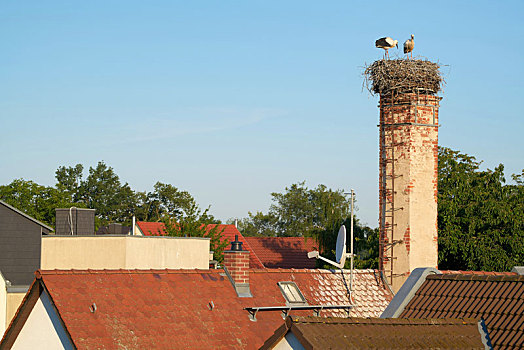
{"x":234,"y":100}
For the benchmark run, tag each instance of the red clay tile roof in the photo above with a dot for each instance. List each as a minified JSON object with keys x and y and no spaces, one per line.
{"x":157,"y":228}
{"x":482,"y":273}
{"x":284,"y":252}
{"x":498,"y":299}
{"x":379,"y":333}
{"x":194,"y":309}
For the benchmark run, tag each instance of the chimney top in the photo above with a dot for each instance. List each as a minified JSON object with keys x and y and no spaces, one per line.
{"x":236,"y":245}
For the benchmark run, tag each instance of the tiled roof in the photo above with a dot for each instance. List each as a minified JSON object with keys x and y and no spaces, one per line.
{"x":284,"y":252}
{"x":498,"y":299}
{"x":157,"y":228}
{"x":376,"y":333}
{"x":194,"y":309}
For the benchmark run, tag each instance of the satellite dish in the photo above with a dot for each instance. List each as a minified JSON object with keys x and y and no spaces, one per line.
{"x":340,"y":253}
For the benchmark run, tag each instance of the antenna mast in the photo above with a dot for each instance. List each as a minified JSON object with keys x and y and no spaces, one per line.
{"x":351,"y":251}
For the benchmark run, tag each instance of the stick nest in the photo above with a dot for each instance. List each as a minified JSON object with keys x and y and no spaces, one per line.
{"x":403,"y":76}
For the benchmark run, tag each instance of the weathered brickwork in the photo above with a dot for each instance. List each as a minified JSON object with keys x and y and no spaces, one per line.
{"x":408,"y":184}
{"x":237,"y":264}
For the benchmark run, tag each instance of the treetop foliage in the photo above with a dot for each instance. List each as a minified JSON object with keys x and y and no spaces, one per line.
{"x":480,"y":217}
{"x":102,"y":190}
{"x":317,"y":213}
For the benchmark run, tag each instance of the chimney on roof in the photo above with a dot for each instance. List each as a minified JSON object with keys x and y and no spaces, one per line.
{"x":236,"y":266}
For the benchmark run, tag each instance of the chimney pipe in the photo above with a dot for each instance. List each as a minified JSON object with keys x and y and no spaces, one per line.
{"x":236,"y":266}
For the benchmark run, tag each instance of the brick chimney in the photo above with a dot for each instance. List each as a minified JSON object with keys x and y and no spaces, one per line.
{"x":408,"y":167}
{"x":236,"y":266}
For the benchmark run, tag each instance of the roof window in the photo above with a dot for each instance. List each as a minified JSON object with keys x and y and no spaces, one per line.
{"x":291,"y":292}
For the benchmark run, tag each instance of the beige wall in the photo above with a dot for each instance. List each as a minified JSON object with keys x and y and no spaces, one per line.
{"x":124,"y":252}
{"x":13,"y":302}
{"x":3,"y":304}
{"x":9,"y":302}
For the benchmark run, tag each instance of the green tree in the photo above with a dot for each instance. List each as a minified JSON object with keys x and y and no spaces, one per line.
{"x":316,"y":213}
{"x":164,"y":200}
{"x":258,"y":224}
{"x":366,"y":246}
{"x":301,"y":211}
{"x":196,"y":223}
{"x":103,"y":191}
{"x":69,"y":180}
{"x":480,"y":217}
{"x":33,"y":199}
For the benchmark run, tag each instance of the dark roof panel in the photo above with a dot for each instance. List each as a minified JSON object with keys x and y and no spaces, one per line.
{"x":390,"y":333}
{"x":496,"y":298}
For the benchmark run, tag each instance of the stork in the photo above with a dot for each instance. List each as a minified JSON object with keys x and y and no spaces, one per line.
{"x":386,"y":44}
{"x":409,"y":45}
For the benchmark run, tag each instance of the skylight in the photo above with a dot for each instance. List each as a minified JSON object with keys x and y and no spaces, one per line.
{"x":291,"y":293}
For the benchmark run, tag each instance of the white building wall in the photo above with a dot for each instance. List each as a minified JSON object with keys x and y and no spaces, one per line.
{"x":289,"y":342}
{"x":43,"y":329}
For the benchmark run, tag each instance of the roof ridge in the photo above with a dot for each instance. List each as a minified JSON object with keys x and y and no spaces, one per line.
{"x":388,"y":321}
{"x":358,"y":271}
{"x":476,"y":277}
{"x":480,"y":273}
{"x":40,"y":272}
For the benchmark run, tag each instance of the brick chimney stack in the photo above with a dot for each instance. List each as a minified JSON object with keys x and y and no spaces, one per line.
{"x":408,"y":167}
{"x":236,"y":265}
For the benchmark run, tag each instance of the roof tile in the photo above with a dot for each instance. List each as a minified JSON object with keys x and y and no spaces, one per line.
{"x":284,"y":252}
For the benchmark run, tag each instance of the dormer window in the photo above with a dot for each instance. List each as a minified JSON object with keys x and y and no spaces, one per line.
{"x":291,"y":292}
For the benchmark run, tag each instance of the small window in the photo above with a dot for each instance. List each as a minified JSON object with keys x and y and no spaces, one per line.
{"x":291,"y":293}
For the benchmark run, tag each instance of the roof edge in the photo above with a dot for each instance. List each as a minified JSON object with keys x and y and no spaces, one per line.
{"x":26,"y":215}
{"x":416,"y":278}
{"x":475,"y":277}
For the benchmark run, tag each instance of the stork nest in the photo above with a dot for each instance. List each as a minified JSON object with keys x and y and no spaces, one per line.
{"x":403,"y":76}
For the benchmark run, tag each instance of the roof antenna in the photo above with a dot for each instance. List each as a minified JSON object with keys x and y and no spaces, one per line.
{"x":340,"y":254}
